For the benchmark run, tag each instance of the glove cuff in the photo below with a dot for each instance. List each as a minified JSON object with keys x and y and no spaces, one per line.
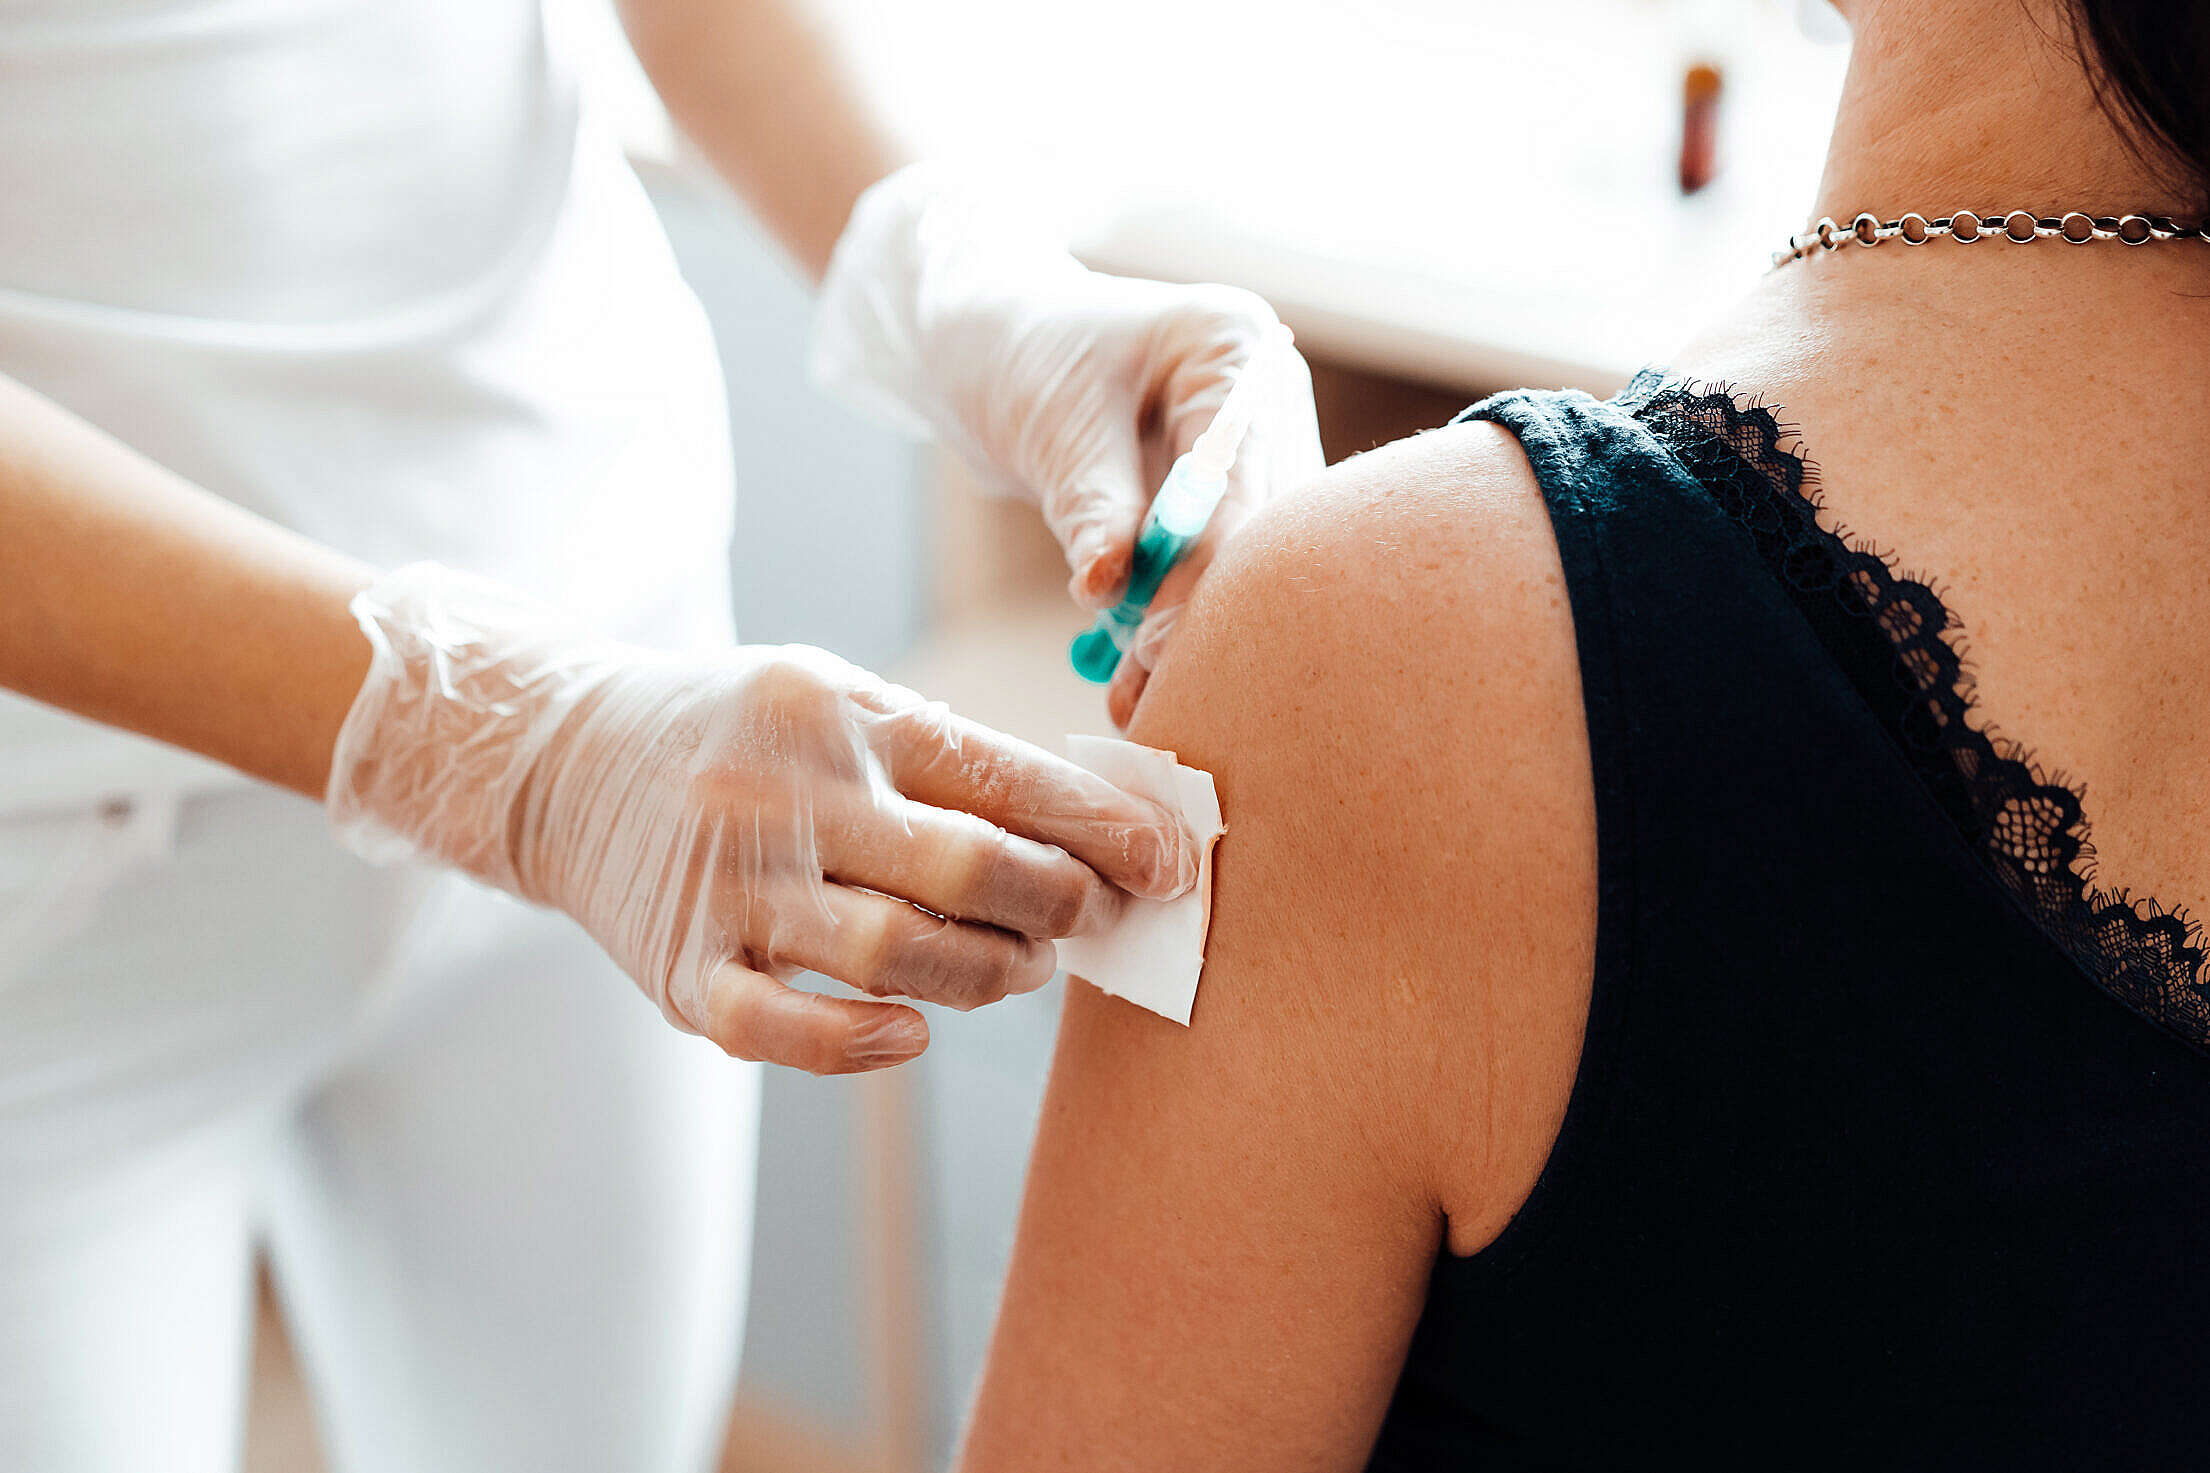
{"x":468,"y":680}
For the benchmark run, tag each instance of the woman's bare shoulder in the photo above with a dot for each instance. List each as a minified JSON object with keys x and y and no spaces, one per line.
{"x":1381,"y":674}
{"x":1229,"y":1228}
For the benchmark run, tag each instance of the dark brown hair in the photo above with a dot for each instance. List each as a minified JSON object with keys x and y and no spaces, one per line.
{"x":2151,"y":63}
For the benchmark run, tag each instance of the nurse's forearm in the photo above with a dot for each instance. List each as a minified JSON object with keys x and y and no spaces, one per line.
{"x":133,"y":597}
{"x":763,"y":88}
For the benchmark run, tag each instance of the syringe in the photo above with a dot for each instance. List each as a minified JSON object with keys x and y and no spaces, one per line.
{"x":1177,"y":518}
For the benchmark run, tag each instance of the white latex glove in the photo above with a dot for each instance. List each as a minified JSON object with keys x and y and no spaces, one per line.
{"x":945,"y":314}
{"x":719,"y":823}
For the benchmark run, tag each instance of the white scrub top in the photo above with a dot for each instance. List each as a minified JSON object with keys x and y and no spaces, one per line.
{"x":370,"y":269}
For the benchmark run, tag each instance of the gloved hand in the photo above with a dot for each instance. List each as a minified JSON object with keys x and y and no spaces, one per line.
{"x":944,"y":314}
{"x":719,"y":823}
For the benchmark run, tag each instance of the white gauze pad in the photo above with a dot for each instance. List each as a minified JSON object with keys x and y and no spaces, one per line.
{"x":1152,"y":955}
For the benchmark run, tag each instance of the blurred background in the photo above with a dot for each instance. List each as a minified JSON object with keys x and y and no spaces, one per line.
{"x":1442,"y":198}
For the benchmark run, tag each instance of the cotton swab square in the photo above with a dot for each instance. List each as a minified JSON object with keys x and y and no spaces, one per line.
{"x":1154,"y":953}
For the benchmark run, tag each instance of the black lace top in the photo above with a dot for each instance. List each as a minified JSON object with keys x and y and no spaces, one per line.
{"x":1890,"y":1145}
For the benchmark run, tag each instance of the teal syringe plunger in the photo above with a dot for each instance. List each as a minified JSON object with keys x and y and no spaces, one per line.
{"x":1177,"y":518}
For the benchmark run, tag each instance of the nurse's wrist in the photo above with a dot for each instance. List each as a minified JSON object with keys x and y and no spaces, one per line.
{"x":467,"y":683}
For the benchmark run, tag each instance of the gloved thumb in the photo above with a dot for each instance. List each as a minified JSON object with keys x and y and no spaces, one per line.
{"x":1095,"y":513}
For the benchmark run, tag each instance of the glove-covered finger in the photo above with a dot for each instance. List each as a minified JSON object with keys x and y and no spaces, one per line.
{"x":1129,"y":681}
{"x":958,"y":865}
{"x":887,"y":948}
{"x":751,"y":1015}
{"x":946,"y":761}
{"x":1096,"y":517}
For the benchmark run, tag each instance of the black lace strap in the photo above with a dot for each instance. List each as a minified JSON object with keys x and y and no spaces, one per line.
{"x":1894,"y":638}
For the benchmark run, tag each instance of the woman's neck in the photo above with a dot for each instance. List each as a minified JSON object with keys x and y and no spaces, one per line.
{"x":1984,"y":107}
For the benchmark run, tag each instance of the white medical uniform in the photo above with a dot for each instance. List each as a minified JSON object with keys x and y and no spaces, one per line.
{"x":368,"y":268}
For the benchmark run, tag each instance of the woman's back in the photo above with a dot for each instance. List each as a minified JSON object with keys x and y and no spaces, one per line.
{"x":2030,"y":428}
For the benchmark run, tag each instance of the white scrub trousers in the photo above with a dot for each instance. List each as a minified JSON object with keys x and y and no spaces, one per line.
{"x":507,"y":1207}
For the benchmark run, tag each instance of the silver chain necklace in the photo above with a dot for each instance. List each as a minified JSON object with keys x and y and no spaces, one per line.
{"x":1964,"y":226}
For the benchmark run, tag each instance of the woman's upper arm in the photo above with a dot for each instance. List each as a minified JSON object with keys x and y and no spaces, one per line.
{"x":1228,"y":1228}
